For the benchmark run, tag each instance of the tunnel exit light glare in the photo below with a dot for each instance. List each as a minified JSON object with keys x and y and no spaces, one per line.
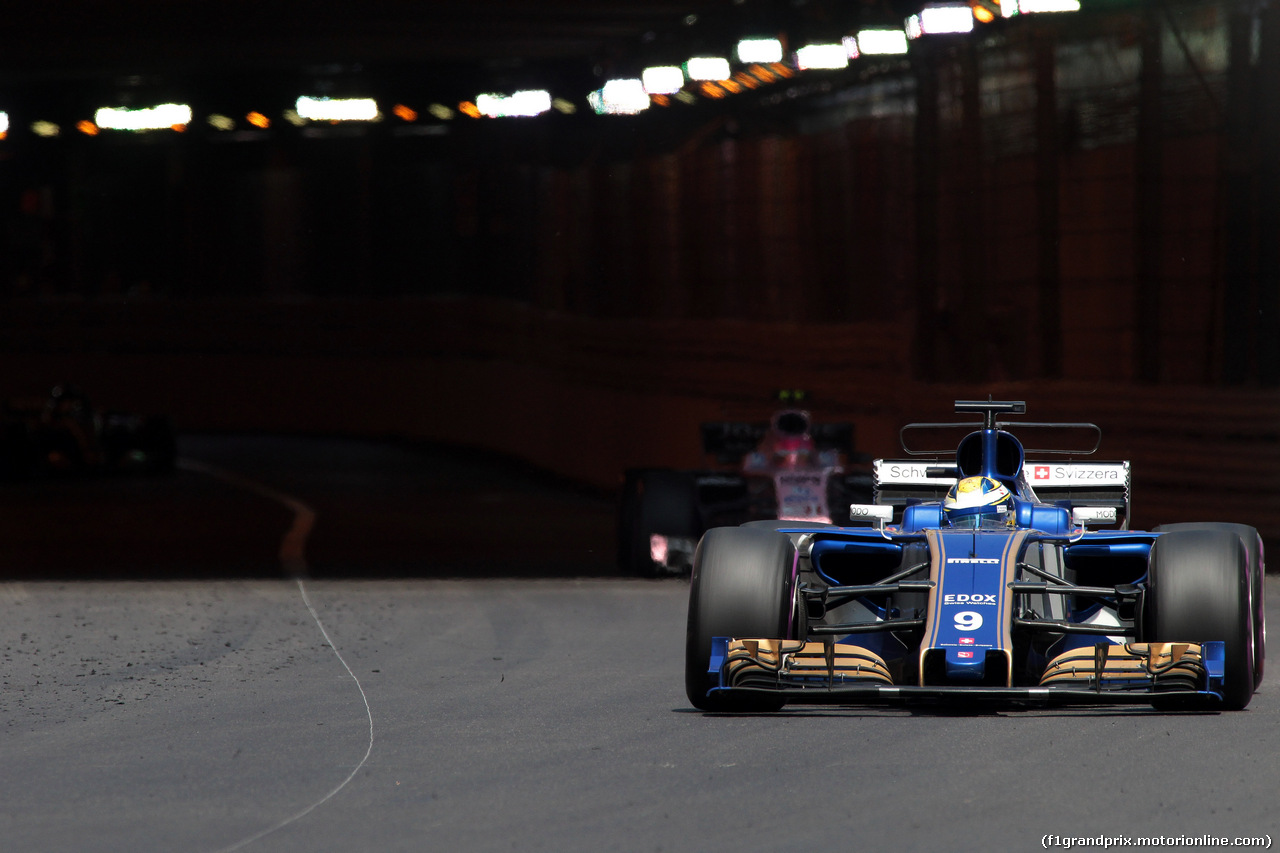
{"x":337,"y":109}
{"x":882,"y":42}
{"x":149,"y":118}
{"x":663,"y":79}
{"x":4,"y":122}
{"x":526,"y":103}
{"x":708,"y":68}
{"x":625,"y":96}
{"x":941,"y":20}
{"x":813,"y":56}
{"x":759,"y":50}
{"x":1032,"y":7}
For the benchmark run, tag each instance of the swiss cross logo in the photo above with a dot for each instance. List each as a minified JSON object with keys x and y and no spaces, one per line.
{"x":966,"y":641}
{"x":964,"y":654}
{"x":1042,"y":472}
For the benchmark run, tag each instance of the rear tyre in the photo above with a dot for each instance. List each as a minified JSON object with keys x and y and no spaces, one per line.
{"x":1199,"y":590}
{"x":661,"y":502}
{"x":743,"y":585}
{"x":1257,"y":581}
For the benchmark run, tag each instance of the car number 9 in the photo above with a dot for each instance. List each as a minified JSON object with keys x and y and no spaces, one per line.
{"x":968,"y":620}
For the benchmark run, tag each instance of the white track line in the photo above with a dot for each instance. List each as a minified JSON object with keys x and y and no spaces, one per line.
{"x":293,"y":560}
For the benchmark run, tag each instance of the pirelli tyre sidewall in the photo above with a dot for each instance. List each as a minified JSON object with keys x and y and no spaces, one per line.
{"x":743,"y":585}
{"x":1257,"y":581}
{"x":1199,"y":590}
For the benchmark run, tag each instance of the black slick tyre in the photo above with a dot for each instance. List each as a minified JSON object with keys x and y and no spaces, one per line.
{"x":1257,"y":581}
{"x":743,"y":585}
{"x":1199,"y":590}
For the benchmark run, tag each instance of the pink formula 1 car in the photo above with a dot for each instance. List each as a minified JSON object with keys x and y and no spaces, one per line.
{"x":789,"y":469}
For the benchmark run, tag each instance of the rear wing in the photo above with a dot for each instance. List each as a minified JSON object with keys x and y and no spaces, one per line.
{"x":900,"y":483}
{"x":729,"y":441}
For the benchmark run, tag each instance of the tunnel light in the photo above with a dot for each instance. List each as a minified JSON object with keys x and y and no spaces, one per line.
{"x":46,"y":129}
{"x":526,"y":103}
{"x":148,"y":118}
{"x":941,"y":20}
{"x":663,"y":79}
{"x":221,"y":122}
{"x":822,"y":56}
{"x":337,"y":109}
{"x":759,"y":50}
{"x":882,"y":42}
{"x":1032,"y":7}
{"x":440,"y":111}
{"x":620,"y":97}
{"x":708,"y":68}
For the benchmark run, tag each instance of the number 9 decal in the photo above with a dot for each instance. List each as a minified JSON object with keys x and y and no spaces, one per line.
{"x":968,"y":620}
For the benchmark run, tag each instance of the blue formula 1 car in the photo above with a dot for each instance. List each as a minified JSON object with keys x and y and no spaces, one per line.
{"x":979,"y":577}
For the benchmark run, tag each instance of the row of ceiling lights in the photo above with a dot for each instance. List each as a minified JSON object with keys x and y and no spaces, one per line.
{"x":760,"y":59}
{"x":712,"y":75}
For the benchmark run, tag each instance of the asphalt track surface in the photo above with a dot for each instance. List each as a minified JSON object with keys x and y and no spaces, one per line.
{"x":452,"y":663}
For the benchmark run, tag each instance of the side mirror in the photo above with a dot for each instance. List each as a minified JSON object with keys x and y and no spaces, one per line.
{"x":874,"y":513}
{"x":1083,"y":516}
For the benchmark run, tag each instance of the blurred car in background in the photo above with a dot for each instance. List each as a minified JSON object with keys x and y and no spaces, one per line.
{"x":65,"y":434}
{"x":789,"y":468}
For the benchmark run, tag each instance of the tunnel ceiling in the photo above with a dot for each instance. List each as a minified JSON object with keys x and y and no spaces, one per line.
{"x":69,"y":38}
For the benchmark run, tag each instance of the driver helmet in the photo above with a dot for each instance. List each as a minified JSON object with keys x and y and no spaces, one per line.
{"x":791,"y":422}
{"x":975,"y":500}
{"x":791,"y":442}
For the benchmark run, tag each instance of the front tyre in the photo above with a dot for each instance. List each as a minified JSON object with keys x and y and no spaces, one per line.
{"x":1199,"y":590}
{"x":1257,"y":581}
{"x":743,"y":585}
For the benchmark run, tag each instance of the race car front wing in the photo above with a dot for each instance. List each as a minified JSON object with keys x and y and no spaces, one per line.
{"x":827,"y":672}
